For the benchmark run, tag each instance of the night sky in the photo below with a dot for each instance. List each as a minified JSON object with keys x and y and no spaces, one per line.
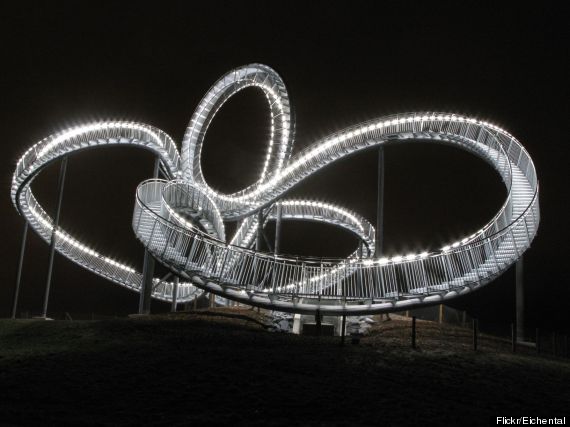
{"x":342,"y":65}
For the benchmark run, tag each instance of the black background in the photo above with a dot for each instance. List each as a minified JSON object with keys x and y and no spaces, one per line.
{"x":343,"y":63}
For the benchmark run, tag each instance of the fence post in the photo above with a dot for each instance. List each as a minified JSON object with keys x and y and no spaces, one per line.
{"x":475,"y":334}
{"x":413,"y":331}
{"x":343,"y":329}
{"x":514,"y":337}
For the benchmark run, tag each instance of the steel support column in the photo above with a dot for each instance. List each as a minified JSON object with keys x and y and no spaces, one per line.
{"x":19,"y":274}
{"x":60,"y":186}
{"x":379,"y":236}
{"x":278,"y":216}
{"x":175,"y":294}
{"x":146,"y":289}
{"x":148,"y":266}
{"x":379,"y":243}
{"x":259,"y":239}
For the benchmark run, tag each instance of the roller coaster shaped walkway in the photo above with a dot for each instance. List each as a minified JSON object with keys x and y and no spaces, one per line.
{"x":180,"y":220}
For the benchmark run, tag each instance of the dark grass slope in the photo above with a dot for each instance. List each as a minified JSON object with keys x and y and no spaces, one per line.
{"x":210,"y":370}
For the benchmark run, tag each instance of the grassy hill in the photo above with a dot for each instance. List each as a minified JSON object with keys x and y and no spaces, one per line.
{"x":209,"y":369}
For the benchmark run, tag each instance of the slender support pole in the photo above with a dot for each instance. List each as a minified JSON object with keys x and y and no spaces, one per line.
{"x":475,"y":327}
{"x":175,"y":294}
{"x":343,"y":329}
{"x":166,"y":277}
{"x":60,"y":186}
{"x":146,"y":290}
{"x":520,"y":299}
{"x":20,"y":265}
{"x":379,"y":243}
{"x":440,"y":319}
{"x":267,"y":242}
{"x":148,"y":266}
{"x":379,"y":237}
{"x":278,"y":216}
{"x":259,"y":240}
{"x":318,"y":322}
{"x":414,"y":332}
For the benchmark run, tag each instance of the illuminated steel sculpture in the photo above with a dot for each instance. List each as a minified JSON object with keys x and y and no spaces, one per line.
{"x":181,"y":220}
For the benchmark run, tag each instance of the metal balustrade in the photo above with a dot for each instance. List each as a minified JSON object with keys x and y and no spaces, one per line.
{"x":180,"y":220}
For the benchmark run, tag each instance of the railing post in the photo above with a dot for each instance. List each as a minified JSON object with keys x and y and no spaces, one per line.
{"x":227,"y":251}
{"x":321,"y":274}
{"x":60,"y":185}
{"x":254,"y":272}
{"x":19,"y":274}
{"x":273,"y":274}
{"x":303,"y":274}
